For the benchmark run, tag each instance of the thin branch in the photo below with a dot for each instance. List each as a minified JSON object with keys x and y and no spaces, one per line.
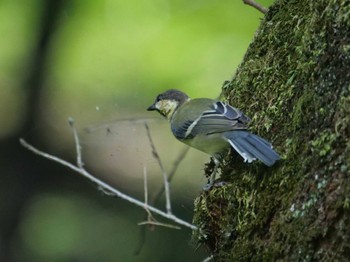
{"x":176,"y":164}
{"x":165,"y":176}
{"x":150,"y":218}
{"x":157,"y":196}
{"x":208,"y":259}
{"x":256,"y":6}
{"x":136,"y":120}
{"x":145,"y":187}
{"x":80,"y":163}
{"x":155,"y":223}
{"x":102,"y":184}
{"x":177,"y":161}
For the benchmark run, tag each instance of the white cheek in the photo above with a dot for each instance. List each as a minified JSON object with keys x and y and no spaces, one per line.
{"x":158,"y":105}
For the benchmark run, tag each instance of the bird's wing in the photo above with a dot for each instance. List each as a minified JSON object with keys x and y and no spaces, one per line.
{"x":216,"y":117}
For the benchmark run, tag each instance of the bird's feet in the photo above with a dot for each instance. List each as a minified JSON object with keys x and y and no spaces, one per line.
{"x":210,"y":186}
{"x":213,"y":169}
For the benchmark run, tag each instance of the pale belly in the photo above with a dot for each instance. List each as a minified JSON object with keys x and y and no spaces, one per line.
{"x":210,"y":144}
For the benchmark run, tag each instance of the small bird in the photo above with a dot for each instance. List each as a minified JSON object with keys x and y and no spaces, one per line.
{"x":212,"y":126}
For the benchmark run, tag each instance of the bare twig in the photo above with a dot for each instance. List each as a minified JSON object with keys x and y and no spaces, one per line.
{"x":150,"y":218}
{"x":157,"y":196}
{"x":165,"y":175}
{"x":208,"y":259}
{"x":79,"y":169}
{"x":136,"y":120}
{"x":176,"y":164}
{"x":80,"y":163}
{"x":256,"y":6}
{"x":177,"y":161}
{"x":155,"y":223}
{"x":145,"y":187}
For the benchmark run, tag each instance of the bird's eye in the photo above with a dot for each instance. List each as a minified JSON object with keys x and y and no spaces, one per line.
{"x":158,"y":98}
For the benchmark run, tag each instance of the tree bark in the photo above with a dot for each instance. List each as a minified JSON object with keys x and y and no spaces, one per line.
{"x":294,"y":82}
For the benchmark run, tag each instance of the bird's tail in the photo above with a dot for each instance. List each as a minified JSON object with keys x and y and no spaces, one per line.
{"x":252,"y":147}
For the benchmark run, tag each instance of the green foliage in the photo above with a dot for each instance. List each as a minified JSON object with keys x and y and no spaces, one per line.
{"x":294,"y":83}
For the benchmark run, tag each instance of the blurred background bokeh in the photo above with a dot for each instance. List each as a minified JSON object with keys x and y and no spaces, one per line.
{"x":100,"y":61}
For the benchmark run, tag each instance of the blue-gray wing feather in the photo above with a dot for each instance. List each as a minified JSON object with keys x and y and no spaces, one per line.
{"x":217,"y":118}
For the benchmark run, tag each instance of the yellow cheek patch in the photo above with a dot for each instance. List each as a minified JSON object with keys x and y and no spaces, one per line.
{"x":166,"y":107}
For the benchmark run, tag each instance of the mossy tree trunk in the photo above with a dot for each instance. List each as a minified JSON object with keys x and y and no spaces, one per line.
{"x":294,"y":82}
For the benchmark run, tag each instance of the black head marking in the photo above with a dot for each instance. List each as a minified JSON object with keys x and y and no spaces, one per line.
{"x":173,"y":94}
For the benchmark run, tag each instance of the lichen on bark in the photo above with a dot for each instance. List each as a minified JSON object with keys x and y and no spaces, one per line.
{"x":294,"y":82}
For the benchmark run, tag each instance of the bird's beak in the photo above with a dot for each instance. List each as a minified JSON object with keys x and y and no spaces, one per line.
{"x":151,"y":108}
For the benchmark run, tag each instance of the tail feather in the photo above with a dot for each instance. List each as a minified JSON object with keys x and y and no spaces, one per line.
{"x":252,"y":147}
{"x":240,"y":147}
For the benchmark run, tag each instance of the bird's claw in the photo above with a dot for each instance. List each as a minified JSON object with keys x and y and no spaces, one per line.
{"x":210,"y":185}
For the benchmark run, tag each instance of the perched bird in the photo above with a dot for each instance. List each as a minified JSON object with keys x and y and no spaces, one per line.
{"x":212,"y":126}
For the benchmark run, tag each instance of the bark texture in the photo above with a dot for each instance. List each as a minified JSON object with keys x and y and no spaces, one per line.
{"x":294,"y":82}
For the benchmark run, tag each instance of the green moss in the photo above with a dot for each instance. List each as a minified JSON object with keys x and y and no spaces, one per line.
{"x":294,"y":82}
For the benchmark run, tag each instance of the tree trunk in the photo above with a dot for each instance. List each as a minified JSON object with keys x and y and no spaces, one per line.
{"x":294,"y":82}
{"x":22,"y":176}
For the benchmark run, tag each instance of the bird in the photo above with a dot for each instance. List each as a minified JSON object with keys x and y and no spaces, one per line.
{"x":212,"y":126}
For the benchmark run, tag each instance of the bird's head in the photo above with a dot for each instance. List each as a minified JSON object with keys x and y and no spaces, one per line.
{"x":166,"y":103}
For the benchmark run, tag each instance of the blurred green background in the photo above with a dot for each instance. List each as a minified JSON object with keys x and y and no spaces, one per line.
{"x":99,"y":61}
